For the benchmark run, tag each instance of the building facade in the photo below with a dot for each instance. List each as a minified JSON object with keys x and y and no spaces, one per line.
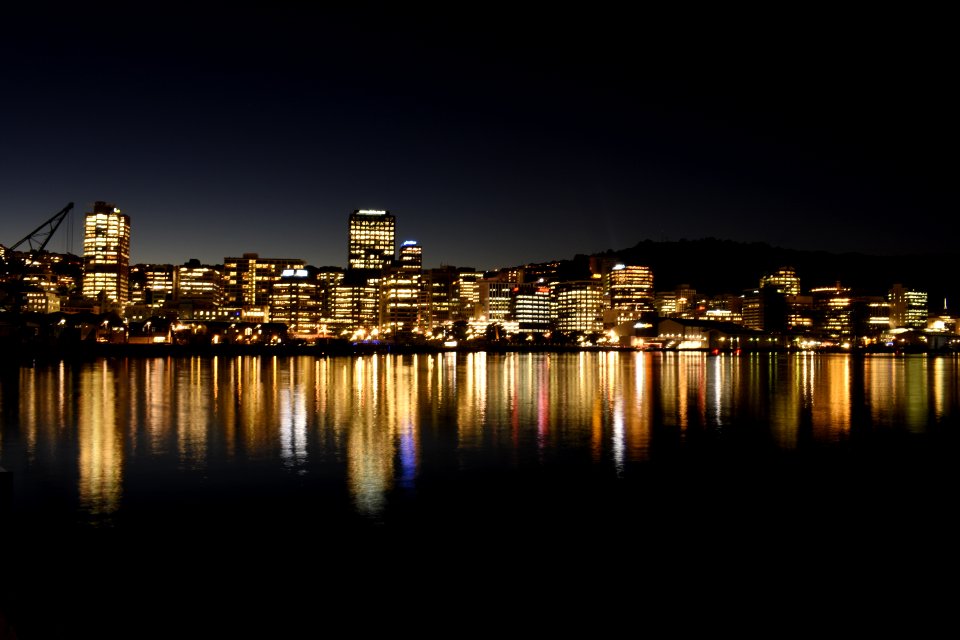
{"x":248,"y":280}
{"x":579,"y":306}
{"x":401,"y":290}
{"x":294,"y":302}
{"x":372,"y":239}
{"x":106,"y":254}
{"x":908,"y":307}
{"x":630,"y":288}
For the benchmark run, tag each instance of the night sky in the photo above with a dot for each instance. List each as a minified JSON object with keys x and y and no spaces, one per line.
{"x":496,"y":138}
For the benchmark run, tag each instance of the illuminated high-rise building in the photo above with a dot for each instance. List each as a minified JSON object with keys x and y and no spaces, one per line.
{"x":630,"y":291}
{"x":533,"y":307}
{"x":354,"y":306}
{"x":579,"y":306}
{"x":294,"y":302}
{"x":106,"y":253}
{"x":908,"y":307}
{"x":401,"y":290}
{"x":372,"y":239}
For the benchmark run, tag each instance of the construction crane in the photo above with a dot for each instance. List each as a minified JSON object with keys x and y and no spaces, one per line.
{"x":12,"y":291}
{"x":43,"y":233}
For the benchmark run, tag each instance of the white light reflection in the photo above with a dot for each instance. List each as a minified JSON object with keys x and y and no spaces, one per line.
{"x":618,"y":437}
{"x":715,"y":385}
{"x":293,"y":422}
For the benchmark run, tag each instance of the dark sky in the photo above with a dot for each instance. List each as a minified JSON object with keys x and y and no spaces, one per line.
{"x":496,"y":138}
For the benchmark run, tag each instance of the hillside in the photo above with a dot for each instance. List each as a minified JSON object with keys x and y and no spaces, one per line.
{"x":724,"y":266}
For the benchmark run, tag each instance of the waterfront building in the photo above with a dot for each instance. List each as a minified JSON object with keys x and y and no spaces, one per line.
{"x":630,"y":289}
{"x":833,"y":311}
{"x":401,"y":291}
{"x":355,"y":310}
{"x":106,"y":254}
{"x":533,"y":307}
{"x":908,"y":307}
{"x":579,"y":306}
{"x":293,"y":301}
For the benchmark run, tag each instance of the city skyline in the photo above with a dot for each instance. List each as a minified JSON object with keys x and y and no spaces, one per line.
{"x":494,"y":141}
{"x":373,"y":247}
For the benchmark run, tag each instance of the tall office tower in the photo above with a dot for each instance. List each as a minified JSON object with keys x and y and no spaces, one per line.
{"x":401,"y":290}
{"x":630,"y":288}
{"x":908,"y":307}
{"x":106,"y":253}
{"x":372,"y":238}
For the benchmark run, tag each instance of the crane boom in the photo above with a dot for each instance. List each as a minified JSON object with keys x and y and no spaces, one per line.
{"x":43,"y":233}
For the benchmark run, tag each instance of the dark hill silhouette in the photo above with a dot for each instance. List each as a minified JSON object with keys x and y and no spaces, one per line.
{"x":715,"y":266}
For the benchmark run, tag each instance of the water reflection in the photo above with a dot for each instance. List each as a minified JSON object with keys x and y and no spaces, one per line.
{"x":101,"y":426}
{"x":374,"y":425}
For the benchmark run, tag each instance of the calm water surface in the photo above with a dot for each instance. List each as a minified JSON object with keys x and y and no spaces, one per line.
{"x":93,"y":441}
{"x":346,"y":480}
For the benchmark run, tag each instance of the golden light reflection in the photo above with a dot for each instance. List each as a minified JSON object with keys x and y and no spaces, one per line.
{"x":899,"y":390}
{"x":638,"y":403}
{"x":369,"y":441}
{"x":786,"y":384}
{"x":101,"y":421}
{"x":372,"y":422}
{"x":831,"y":402}
{"x":471,"y":403}
{"x":191,"y":402}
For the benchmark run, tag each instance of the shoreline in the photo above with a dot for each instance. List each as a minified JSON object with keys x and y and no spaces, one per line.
{"x":21,"y":354}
